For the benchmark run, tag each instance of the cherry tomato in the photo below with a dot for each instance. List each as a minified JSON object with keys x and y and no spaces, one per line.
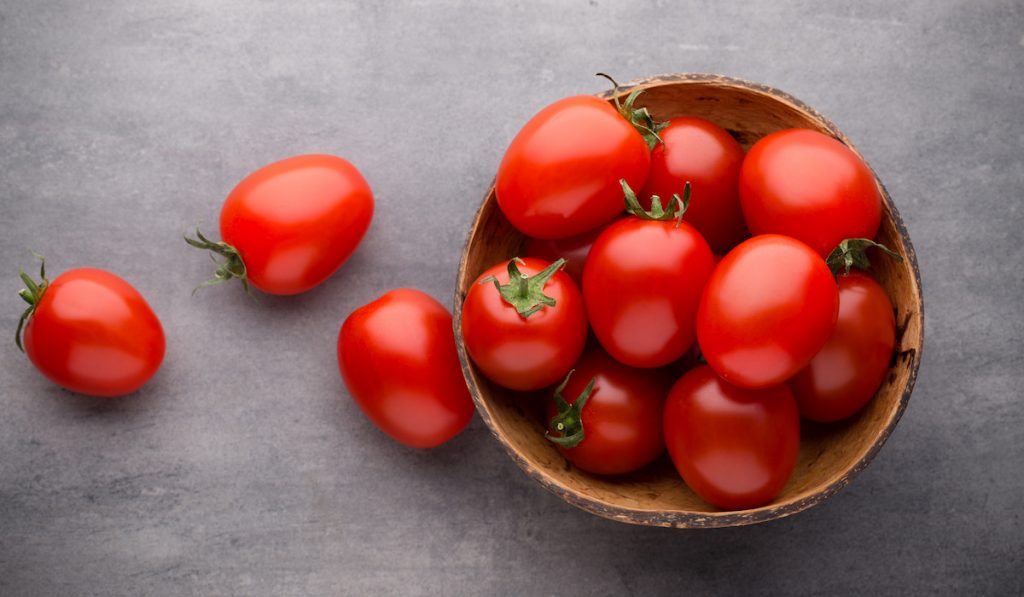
{"x":736,"y":448}
{"x":768,"y":308}
{"x":617,"y":428}
{"x":560,"y":175}
{"x":91,"y":332}
{"x":573,"y":249}
{"x":397,"y":357}
{"x":530,"y":345}
{"x":289,"y":225}
{"x":642,"y":284}
{"x":807,"y":185}
{"x":705,"y":155}
{"x":847,"y":372}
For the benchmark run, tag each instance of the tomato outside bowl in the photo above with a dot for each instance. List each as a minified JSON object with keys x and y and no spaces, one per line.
{"x":830,"y":455}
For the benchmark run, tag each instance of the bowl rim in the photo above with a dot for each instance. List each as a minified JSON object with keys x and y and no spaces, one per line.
{"x":720,"y":518}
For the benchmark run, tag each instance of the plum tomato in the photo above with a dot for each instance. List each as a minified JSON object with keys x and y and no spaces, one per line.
{"x":91,"y":332}
{"x":809,"y":186}
{"x":398,"y":359}
{"x":523,"y":323}
{"x":704,"y":154}
{"x":768,"y":308}
{"x":846,"y":373}
{"x":605,"y":417}
{"x":735,"y":448}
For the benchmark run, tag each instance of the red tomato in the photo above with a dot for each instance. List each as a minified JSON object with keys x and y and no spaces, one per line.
{"x":847,"y":372}
{"x":618,"y":427}
{"x":560,"y":175}
{"x":573,"y":249}
{"x":641,"y":284}
{"x":92,"y":333}
{"x":768,"y":308}
{"x":397,"y":357}
{"x":524,"y":352}
{"x":807,"y":185}
{"x":289,"y":225}
{"x":735,"y":448}
{"x":707,"y":156}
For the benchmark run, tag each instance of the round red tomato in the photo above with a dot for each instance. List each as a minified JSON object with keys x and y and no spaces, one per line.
{"x":847,"y":372}
{"x":532,"y":341}
{"x":560,"y":175}
{"x":642,"y":283}
{"x":616,"y":427}
{"x":91,"y":332}
{"x":573,"y":249}
{"x":735,"y":448}
{"x":705,"y":155}
{"x":397,"y":357}
{"x":807,"y":185}
{"x":768,"y":308}
{"x":289,"y":225}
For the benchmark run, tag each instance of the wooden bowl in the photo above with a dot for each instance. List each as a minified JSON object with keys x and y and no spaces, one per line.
{"x":830,"y":455}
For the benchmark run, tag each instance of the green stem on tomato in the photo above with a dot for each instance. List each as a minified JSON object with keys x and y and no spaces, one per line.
{"x":232,"y":267}
{"x":676,"y":208}
{"x":852,"y":252}
{"x":31,"y":294}
{"x":568,"y":422}
{"x":526,"y":293}
{"x":640,"y":118}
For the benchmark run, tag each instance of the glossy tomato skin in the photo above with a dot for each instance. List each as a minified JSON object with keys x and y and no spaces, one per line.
{"x":574,"y":249}
{"x":768,"y":308}
{"x":846,"y":373}
{"x":94,"y":334}
{"x":621,"y":419}
{"x":642,"y":284}
{"x":735,"y":448}
{"x":296,"y":221}
{"x":524,"y":353}
{"x":706,"y":155}
{"x":807,"y":185}
{"x":397,"y":357}
{"x":560,"y":175}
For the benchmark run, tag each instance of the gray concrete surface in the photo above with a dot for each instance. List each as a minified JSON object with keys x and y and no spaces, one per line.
{"x":244,"y":469}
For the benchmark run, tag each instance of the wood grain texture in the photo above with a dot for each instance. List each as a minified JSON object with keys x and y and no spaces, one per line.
{"x":830,"y":455}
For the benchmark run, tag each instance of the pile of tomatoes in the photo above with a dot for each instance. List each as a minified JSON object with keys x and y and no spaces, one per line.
{"x":716,"y":283}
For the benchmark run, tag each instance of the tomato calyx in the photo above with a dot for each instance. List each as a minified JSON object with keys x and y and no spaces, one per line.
{"x":640,"y":118}
{"x":852,"y":252}
{"x":231,"y":267}
{"x":568,"y":423}
{"x":31,"y":294}
{"x":526,"y":293}
{"x":677,"y":205}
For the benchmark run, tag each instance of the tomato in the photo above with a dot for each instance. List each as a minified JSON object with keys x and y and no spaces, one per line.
{"x":560,"y":175}
{"x":702,"y":153}
{"x":769,"y":307}
{"x":807,"y":185}
{"x":615,"y":427}
{"x":847,"y":372}
{"x":528,"y":335}
{"x":289,"y":225}
{"x":642,"y":284}
{"x":735,"y":448}
{"x":573,"y":249}
{"x":91,"y":332}
{"x":397,"y":357}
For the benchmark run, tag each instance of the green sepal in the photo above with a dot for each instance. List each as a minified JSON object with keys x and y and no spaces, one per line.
{"x":568,"y":423}
{"x":31,"y":294}
{"x":232,"y":267}
{"x":852,"y":252}
{"x":526,"y":293}
{"x":640,"y":118}
{"x":677,"y":206}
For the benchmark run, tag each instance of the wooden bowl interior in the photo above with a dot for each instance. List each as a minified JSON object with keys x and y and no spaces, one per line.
{"x":829,"y":454}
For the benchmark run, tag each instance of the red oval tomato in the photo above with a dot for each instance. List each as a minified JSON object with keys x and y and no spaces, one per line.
{"x":397,"y":357}
{"x":736,"y":448}
{"x":847,"y":372}
{"x":560,"y":175}
{"x":807,"y":185}
{"x":621,"y":418}
{"x":642,"y":283}
{"x":289,"y":225}
{"x":573,"y":249}
{"x":768,"y":308}
{"x":524,"y":353}
{"x":93,"y":333}
{"x":706,"y":155}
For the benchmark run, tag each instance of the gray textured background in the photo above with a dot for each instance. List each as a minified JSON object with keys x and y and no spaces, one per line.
{"x":244,"y":469}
